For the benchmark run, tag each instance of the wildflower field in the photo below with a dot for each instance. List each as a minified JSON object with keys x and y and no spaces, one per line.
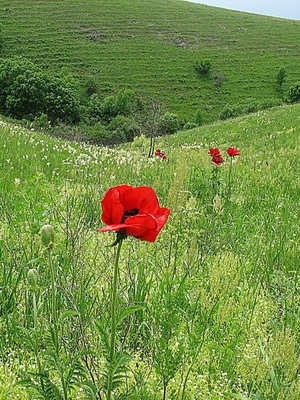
{"x":199,"y":299}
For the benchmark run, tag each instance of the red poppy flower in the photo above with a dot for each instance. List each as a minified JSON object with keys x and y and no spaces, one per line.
{"x":133,"y":212}
{"x":160,"y":154}
{"x":232,"y":151}
{"x":217,"y":160}
{"x":214,"y":152}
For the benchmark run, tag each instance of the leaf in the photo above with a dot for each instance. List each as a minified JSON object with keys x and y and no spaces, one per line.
{"x":129,"y":310}
{"x":67,"y":314}
{"x":117,"y":369}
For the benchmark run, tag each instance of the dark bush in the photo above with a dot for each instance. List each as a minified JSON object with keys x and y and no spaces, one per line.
{"x":26,"y":91}
{"x":203,"y":67}
{"x":294,"y":93}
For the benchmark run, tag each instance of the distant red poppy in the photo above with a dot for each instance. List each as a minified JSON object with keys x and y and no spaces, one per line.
{"x":214,"y":152}
{"x":160,"y":154}
{"x":133,"y":212}
{"x":232,"y":152}
{"x":217,"y":160}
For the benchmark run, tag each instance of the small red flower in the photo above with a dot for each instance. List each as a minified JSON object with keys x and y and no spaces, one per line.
{"x":160,"y":154}
{"x":214,"y":152}
{"x":133,"y":212}
{"x":217,"y":160}
{"x":232,"y":152}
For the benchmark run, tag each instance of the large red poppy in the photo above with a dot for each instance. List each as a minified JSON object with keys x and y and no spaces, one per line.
{"x":232,"y":152}
{"x":133,"y":212}
{"x":214,"y":152}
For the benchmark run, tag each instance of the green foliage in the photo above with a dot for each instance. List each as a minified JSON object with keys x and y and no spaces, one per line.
{"x":232,"y":111}
{"x":169,"y":123}
{"x":124,"y":103}
{"x":124,"y":126}
{"x":294,"y":93}
{"x":203,"y":67}
{"x":199,"y":118}
{"x":281,"y":76}
{"x":28,"y":92}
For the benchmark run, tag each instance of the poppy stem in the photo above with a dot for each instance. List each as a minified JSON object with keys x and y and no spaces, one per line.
{"x":53,"y":300}
{"x":229,"y":181}
{"x":113,"y":312}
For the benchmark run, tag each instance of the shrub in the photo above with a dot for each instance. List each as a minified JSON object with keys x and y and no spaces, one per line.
{"x":124,"y":103}
{"x":169,"y":123}
{"x":294,"y":93}
{"x":203,"y":67}
{"x":27,"y":92}
{"x":281,"y":76}
{"x":124,"y":127}
{"x":94,"y":107}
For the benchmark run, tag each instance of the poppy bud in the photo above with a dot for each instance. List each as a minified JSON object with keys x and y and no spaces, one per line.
{"x":47,"y":235}
{"x":33,"y":278}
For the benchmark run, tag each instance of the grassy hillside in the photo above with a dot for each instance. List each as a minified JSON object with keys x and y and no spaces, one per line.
{"x":152,"y":47}
{"x":210,"y":309}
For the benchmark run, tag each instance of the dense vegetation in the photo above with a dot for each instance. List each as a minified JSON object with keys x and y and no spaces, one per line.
{"x":210,"y":310}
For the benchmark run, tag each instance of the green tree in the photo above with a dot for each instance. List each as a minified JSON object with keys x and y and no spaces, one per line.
{"x":26,"y":91}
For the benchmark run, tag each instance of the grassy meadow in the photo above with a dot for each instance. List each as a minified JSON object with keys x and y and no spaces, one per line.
{"x":152,"y":48}
{"x":208,"y":311}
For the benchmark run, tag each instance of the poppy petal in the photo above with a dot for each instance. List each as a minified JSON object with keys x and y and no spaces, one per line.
{"x":142,"y":198}
{"x":112,"y":208}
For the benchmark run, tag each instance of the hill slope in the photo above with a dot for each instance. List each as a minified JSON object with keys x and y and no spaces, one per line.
{"x":152,"y":48}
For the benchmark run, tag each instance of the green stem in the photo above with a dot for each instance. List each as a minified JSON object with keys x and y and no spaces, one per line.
{"x":229,"y":181}
{"x":34,"y":311}
{"x":53,"y":299}
{"x":215,"y":184}
{"x":36,"y":343}
{"x":113,"y":315}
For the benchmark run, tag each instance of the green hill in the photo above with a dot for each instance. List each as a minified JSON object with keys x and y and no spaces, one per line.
{"x":152,"y":48}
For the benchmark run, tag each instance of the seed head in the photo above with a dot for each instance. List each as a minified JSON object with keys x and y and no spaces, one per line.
{"x":33,"y":278}
{"x":47,"y":235}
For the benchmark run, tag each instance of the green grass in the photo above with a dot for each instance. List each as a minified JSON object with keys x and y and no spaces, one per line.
{"x":219,"y":287}
{"x":152,"y":48}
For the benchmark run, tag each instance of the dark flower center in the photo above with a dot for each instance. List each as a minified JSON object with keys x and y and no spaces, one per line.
{"x":130,"y":213}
